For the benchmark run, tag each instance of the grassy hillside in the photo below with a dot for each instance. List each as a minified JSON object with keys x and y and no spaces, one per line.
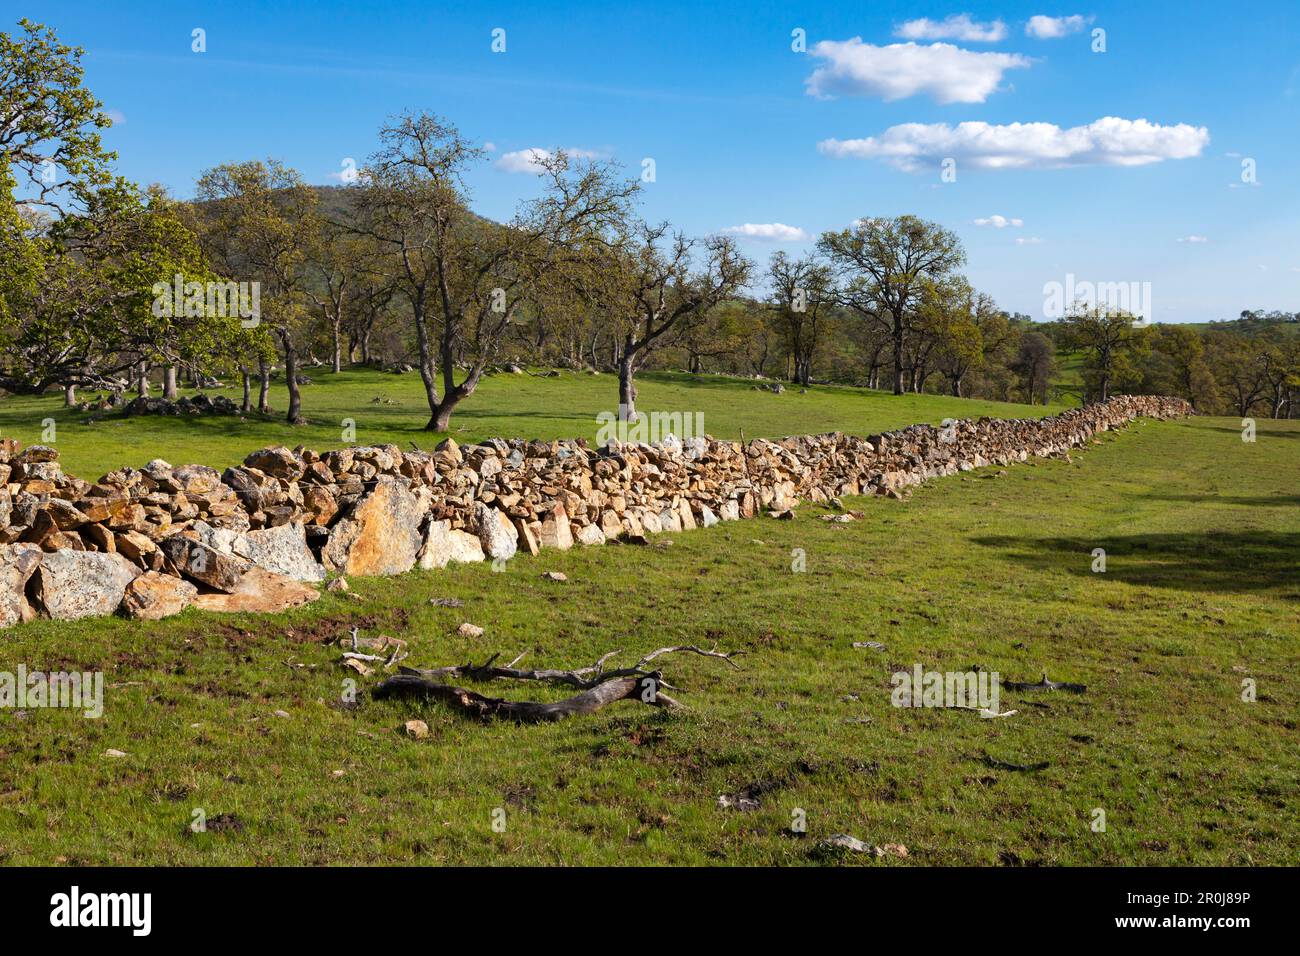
{"x":243,"y":717}
{"x":391,"y":408}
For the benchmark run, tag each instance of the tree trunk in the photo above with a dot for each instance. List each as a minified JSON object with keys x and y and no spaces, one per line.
{"x":338,"y":348}
{"x":956,"y":386}
{"x":142,"y":380}
{"x":246,"y":405}
{"x":898,"y":355}
{"x":439,"y":418}
{"x":294,"y":416}
{"x":169,"y":383}
{"x":626,"y":389}
{"x":69,"y":395}
{"x":264,"y":386}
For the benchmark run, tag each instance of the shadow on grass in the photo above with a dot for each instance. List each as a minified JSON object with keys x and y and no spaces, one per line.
{"x":1262,"y":429}
{"x":1279,"y":501}
{"x":1222,"y":561}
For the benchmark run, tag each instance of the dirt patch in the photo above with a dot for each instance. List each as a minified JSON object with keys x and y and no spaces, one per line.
{"x":319,"y":631}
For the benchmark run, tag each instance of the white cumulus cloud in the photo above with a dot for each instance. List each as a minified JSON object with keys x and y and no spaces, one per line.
{"x":1109,"y":141}
{"x":1052,"y":28}
{"x":766,"y":232}
{"x":947,"y":73}
{"x":959,"y":26}
{"x":529,"y":160}
{"x":999,"y":222}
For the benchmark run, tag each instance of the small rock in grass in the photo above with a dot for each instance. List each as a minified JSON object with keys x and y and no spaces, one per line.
{"x":446,"y":602}
{"x":110,"y":752}
{"x":555,"y":576}
{"x":469,"y":630}
{"x":338,"y":585}
{"x":416,"y":729}
{"x":743,"y":802}
{"x":843,"y":841}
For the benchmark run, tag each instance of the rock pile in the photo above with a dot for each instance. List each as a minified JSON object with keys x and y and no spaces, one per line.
{"x":153,"y":540}
{"x":198,"y":405}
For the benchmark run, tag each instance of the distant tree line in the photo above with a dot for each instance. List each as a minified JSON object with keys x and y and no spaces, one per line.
{"x":394,"y":269}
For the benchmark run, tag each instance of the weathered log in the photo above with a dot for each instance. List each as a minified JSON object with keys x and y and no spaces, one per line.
{"x":643,"y":687}
{"x":1045,"y":684}
{"x":582,"y":678}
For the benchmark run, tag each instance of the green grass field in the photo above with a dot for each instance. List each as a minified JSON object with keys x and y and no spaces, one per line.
{"x":985,"y":570}
{"x":505,"y":406}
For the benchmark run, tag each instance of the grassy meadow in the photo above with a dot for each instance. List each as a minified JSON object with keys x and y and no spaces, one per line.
{"x":391,"y":408}
{"x":245,"y":718}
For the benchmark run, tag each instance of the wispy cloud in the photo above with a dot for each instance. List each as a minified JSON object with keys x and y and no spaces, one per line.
{"x":1053,"y":28}
{"x":1109,"y":141}
{"x":766,"y":232}
{"x":1029,"y":241}
{"x":959,"y":26}
{"x":1193,"y":239}
{"x":1000,"y":222}
{"x":945,"y":72}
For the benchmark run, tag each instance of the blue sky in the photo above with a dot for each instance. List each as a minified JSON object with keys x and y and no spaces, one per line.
{"x":733,"y":118}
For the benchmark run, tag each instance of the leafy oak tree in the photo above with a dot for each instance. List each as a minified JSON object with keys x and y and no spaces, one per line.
{"x":883,"y":265}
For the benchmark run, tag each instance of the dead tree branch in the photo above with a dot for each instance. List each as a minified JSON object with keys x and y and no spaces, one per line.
{"x":644,"y":687}
{"x":1045,"y":684}
{"x":598,"y":687}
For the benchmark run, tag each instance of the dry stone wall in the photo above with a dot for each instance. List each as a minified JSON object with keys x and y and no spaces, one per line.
{"x":150,"y":541}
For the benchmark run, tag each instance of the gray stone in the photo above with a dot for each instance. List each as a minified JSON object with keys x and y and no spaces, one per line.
{"x":591,"y":534}
{"x":443,"y":545}
{"x":75,"y":584}
{"x":17,"y":563}
{"x":203,"y":563}
{"x":495,"y":532}
{"x":282,"y":550}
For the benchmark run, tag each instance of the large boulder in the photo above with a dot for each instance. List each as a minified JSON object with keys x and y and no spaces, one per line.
{"x":203,"y":563}
{"x":556,"y":532}
{"x":381,"y":536}
{"x":17,"y":564}
{"x":277,"y":461}
{"x":153,"y":596}
{"x":443,"y":544}
{"x":495,"y":532}
{"x":259,"y":591}
{"x":74,"y":584}
{"x":282,"y":550}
